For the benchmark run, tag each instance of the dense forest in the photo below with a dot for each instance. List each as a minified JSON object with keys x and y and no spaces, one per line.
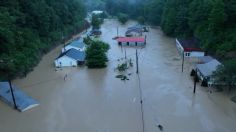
{"x":29,"y":28}
{"x":210,"y":21}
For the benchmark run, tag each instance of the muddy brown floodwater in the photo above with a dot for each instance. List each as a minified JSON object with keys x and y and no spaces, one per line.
{"x":93,"y":100}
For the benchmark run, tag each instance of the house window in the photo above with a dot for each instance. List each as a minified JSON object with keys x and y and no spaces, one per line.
{"x":187,"y":54}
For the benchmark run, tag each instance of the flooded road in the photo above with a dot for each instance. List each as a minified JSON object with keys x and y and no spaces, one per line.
{"x":93,"y":100}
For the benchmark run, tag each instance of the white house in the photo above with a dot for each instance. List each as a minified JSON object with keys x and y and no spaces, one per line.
{"x":77,"y":44}
{"x":189,"y":47}
{"x":71,"y":57}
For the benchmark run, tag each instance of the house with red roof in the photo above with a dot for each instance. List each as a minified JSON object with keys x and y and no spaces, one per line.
{"x":189,"y":47}
{"x":131,"y":41}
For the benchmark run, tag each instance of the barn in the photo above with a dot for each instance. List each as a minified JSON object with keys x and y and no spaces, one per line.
{"x":77,"y":44}
{"x":71,"y":57}
{"x":189,"y":47}
{"x":131,"y":41}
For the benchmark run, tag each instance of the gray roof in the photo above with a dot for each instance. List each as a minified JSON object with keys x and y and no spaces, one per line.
{"x":74,"y":54}
{"x":23,"y":101}
{"x":205,"y":59}
{"x":207,"y":69}
{"x":77,"y":43}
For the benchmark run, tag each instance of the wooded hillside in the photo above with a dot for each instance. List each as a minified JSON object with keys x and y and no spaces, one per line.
{"x":213,"y":22}
{"x":29,"y":28}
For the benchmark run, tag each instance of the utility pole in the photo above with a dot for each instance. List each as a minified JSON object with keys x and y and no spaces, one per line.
{"x":125,"y":53}
{"x":137,"y":61}
{"x":183,"y":61}
{"x":195,"y":81}
{"x":12,"y":94}
{"x":117,"y":30}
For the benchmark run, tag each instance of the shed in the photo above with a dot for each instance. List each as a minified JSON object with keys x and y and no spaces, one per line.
{"x":71,"y":57}
{"x":189,"y":47}
{"x":133,"y":32}
{"x":23,"y":101}
{"x":77,"y":44}
{"x":131,"y":41}
{"x":205,"y":71}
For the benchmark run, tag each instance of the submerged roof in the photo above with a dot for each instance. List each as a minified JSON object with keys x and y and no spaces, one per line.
{"x":74,"y":54}
{"x":207,"y":69}
{"x":191,"y":44}
{"x":205,"y":59}
{"x":137,"y":30}
{"x":138,"y":26}
{"x":23,"y":101}
{"x":77,"y":43}
{"x":131,"y":39}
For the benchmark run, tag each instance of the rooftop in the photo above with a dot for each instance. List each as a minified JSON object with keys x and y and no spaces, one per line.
{"x":74,"y":54}
{"x":191,"y":44}
{"x":77,"y":43}
{"x":131,"y":39}
{"x":207,"y":69}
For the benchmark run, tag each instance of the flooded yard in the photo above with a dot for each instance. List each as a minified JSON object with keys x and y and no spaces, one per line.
{"x":94,"y":100}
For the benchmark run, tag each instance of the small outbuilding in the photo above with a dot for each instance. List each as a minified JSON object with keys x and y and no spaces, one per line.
{"x":71,"y":57}
{"x":133,"y":32}
{"x":77,"y":44}
{"x":205,"y":71}
{"x":22,"y":100}
{"x":95,"y":32}
{"x":189,"y":47}
{"x":131,"y":41}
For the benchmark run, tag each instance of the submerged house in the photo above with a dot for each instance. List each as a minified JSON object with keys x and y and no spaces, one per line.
{"x":133,"y":32}
{"x":131,"y":41}
{"x":206,"y":70}
{"x":77,"y":44}
{"x":189,"y":47}
{"x":95,"y":32}
{"x":71,"y":57}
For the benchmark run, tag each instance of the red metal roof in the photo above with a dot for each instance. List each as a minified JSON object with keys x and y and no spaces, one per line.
{"x":131,"y":39}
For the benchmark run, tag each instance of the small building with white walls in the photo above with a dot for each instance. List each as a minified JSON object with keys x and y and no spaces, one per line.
{"x":131,"y":41}
{"x":71,"y":57}
{"x":189,"y":47}
{"x":77,"y":44}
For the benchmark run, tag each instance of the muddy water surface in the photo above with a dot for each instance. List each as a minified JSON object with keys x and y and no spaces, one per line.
{"x":95,"y":101}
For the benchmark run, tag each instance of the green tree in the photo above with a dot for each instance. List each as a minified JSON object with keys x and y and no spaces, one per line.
{"x":96,"y":21}
{"x":123,"y":18}
{"x":226,"y":74}
{"x":96,"y":54}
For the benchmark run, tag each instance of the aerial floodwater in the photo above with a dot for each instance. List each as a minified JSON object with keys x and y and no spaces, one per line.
{"x":94,"y":100}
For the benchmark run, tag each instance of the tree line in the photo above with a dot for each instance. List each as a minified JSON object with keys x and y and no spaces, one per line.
{"x":29,"y":28}
{"x":212,"y":22}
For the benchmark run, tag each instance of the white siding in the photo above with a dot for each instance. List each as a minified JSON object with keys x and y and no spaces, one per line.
{"x":65,"y":61}
{"x":133,"y":44}
{"x":196,"y":54}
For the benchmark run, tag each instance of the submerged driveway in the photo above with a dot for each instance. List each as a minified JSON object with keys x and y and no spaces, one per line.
{"x":93,"y":100}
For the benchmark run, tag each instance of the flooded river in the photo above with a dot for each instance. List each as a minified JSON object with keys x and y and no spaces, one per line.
{"x":93,"y":100}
